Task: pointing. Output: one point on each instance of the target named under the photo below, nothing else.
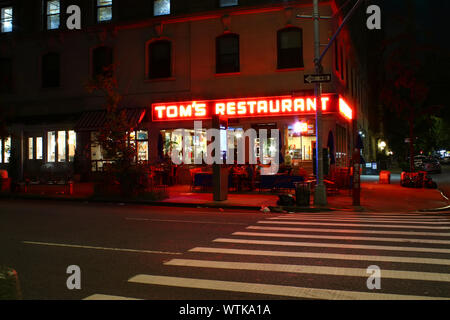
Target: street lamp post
(320, 196)
(320, 193)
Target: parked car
(431, 165)
(445, 160)
(419, 162)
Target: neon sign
(243, 107)
(345, 110)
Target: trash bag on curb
(286, 200)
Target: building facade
(244, 59)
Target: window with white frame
(52, 14)
(228, 3)
(104, 10)
(161, 7)
(6, 19)
(30, 148)
(39, 148)
(61, 146)
(5, 149)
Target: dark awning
(94, 120)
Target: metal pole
(320, 195)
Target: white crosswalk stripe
(417, 250)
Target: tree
(114, 138)
(405, 87)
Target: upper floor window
(102, 61)
(227, 54)
(104, 10)
(159, 59)
(5, 75)
(161, 7)
(6, 19)
(51, 70)
(228, 3)
(52, 14)
(290, 48)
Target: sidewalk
(375, 197)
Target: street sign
(317, 78)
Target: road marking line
(331, 245)
(447, 222)
(107, 297)
(307, 236)
(354, 225)
(98, 248)
(186, 221)
(314, 255)
(346, 216)
(305, 269)
(352, 231)
(269, 289)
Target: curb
(209, 205)
(443, 209)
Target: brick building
(169, 53)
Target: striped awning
(94, 120)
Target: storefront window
(30, 148)
(142, 145)
(301, 140)
(39, 148)
(61, 146)
(51, 146)
(96, 153)
(72, 144)
(139, 139)
(268, 148)
(7, 150)
(195, 144)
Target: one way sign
(316, 78)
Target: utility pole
(320, 193)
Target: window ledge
(159, 79)
(227, 74)
(290, 69)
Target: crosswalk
(316, 256)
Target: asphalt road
(443, 180)
(182, 254)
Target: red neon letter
(324, 103)
(299, 105)
(241, 108)
(185, 112)
(220, 109)
(252, 105)
(231, 108)
(262, 106)
(160, 110)
(310, 104)
(286, 105)
(200, 109)
(275, 109)
(172, 112)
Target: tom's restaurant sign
(248, 107)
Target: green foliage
(123, 170)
